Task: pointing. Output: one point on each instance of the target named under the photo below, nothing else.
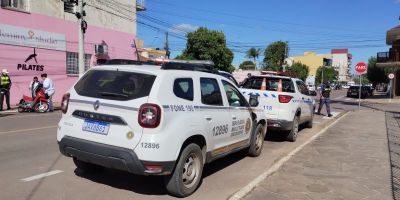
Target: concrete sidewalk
(349, 161)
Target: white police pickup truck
(148, 120)
(286, 102)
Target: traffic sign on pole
(391, 76)
(361, 68)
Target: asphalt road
(31, 166)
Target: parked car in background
(354, 91)
(311, 89)
(285, 100)
(229, 76)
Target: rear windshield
(114, 85)
(271, 84)
(354, 87)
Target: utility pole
(166, 47)
(81, 31)
(286, 56)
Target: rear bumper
(111, 157)
(279, 125)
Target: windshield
(115, 85)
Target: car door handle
(234, 118)
(208, 118)
(302, 98)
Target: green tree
(246, 65)
(253, 53)
(375, 74)
(364, 80)
(275, 55)
(204, 44)
(300, 70)
(330, 74)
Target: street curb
(278, 164)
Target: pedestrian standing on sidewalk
(33, 86)
(324, 98)
(49, 90)
(5, 86)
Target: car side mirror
(253, 101)
(312, 93)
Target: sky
(307, 25)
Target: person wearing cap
(49, 90)
(324, 98)
(5, 85)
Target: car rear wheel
(292, 136)
(257, 141)
(188, 172)
(41, 107)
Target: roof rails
(289, 74)
(123, 62)
(190, 65)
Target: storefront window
(72, 62)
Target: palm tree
(253, 53)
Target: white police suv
(148, 120)
(285, 100)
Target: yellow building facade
(312, 60)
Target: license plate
(96, 127)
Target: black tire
(292, 136)
(87, 167)
(257, 141)
(189, 166)
(309, 124)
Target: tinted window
(183, 88)
(235, 98)
(271, 84)
(210, 92)
(302, 87)
(114, 85)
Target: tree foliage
(300, 70)
(204, 44)
(253, 53)
(275, 55)
(330, 74)
(375, 74)
(246, 65)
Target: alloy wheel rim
(259, 140)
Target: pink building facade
(55, 43)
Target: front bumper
(279, 125)
(111, 157)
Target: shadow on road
(393, 134)
(152, 185)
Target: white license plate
(96, 126)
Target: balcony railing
(392, 56)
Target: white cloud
(182, 28)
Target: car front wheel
(292, 136)
(257, 141)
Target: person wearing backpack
(324, 98)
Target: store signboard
(21, 36)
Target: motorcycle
(37, 104)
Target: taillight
(149, 115)
(285, 98)
(64, 103)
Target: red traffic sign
(361, 68)
(391, 76)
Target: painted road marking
(28, 129)
(39, 176)
(316, 122)
(334, 115)
(275, 167)
(348, 99)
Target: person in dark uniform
(324, 98)
(5, 85)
